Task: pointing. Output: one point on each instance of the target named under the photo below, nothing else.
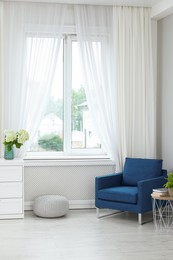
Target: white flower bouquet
(17, 139)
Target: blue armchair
(130, 190)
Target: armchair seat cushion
(125, 194)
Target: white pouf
(50, 206)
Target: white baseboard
(81, 204)
(73, 204)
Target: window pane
(83, 135)
(50, 133)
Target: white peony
(22, 136)
(10, 136)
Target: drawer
(11, 173)
(11, 190)
(11, 206)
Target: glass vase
(8, 155)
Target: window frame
(68, 151)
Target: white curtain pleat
(33, 34)
(135, 85)
(95, 35)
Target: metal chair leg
(140, 218)
(140, 222)
(97, 212)
(106, 215)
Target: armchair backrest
(138, 169)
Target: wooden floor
(81, 236)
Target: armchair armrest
(145, 188)
(164, 173)
(108, 181)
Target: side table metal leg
(154, 212)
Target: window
(82, 132)
(66, 127)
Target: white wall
(76, 182)
(165, 91)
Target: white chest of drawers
(11, 189)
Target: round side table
(162, 211)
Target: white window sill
(68, 161)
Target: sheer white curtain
(95, 35)
(135, 87)
(119, 72)
(1, 75)
(33, 34)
